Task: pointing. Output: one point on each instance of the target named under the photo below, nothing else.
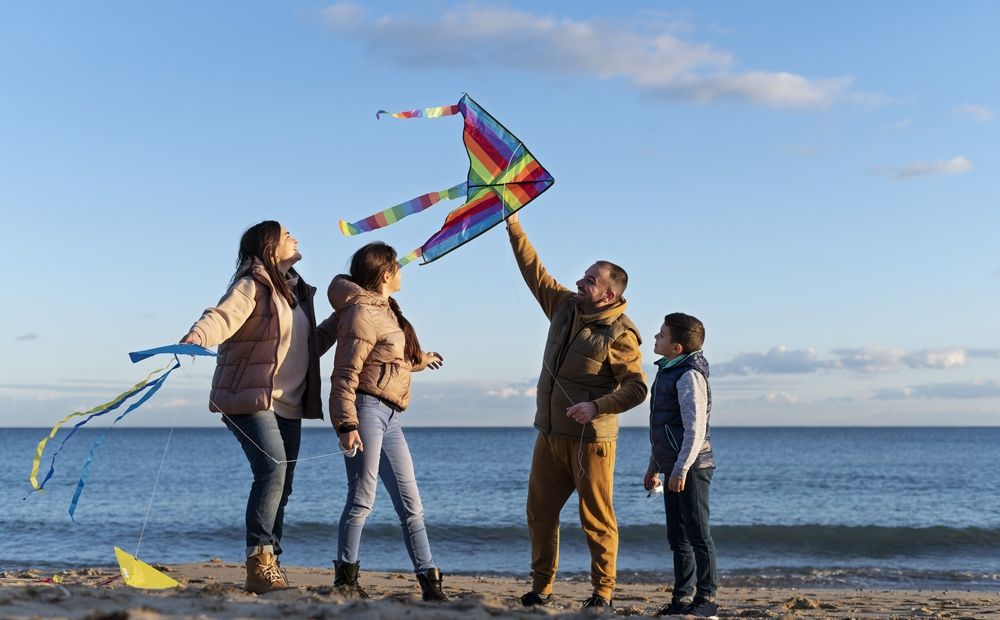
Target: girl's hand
(351, 439)
(192, 338)
(433, 360)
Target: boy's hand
(512, 218)
(651, 480)
(675, 484)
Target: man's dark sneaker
(674, 608)
(701, 608)
(596, 602)
(534, 599)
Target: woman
(376, 352)
(266, 380)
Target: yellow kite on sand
(138, 574)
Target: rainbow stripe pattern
(438, 112)
(394, 214)
(503, 177)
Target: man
(591, 371)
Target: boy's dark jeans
(690, 538)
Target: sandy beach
(214, 590)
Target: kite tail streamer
(398, 212)
(409, 258)
(437, 112)
(99, 410)
(154, 387)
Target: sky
(811, 180)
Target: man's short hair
(686, 331)
(617, 275)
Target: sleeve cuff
(346, 427)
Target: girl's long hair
(260, 241)
(368, 265)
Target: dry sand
(214, 590)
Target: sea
(809, 507)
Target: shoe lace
(271, 573)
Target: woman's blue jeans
(263, 435)
(385, 456)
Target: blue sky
(816, 184)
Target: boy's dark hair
(685, 330)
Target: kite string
(232, 424)
(156, 482)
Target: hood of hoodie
(604, 316)
(344, 293)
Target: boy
(680, 403)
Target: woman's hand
(433, 360)
(349, 440)
(192, 338)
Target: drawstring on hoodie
(580, 472)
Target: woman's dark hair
(260, 241)
(368, 265)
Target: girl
(376, 352)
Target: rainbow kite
(503, 177)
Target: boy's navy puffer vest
(666, 428)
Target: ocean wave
(812, 540)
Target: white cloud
(514, 390)
(783, 398)
(943, 359)
(779, 360)
(863, 360)
(955, 165)
(28, 337)
(653, 59)
(903, 124)
(869, 360)
(978, 113)
(877, 360)
(965, 390)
